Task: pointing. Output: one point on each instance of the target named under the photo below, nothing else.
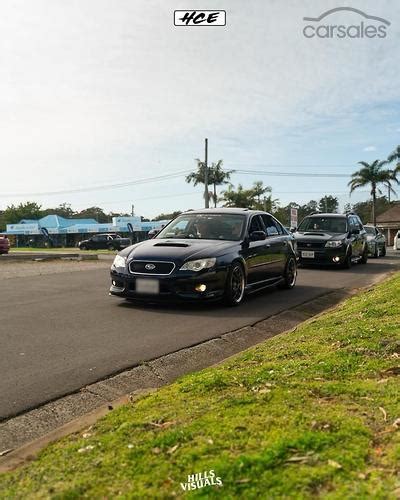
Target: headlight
(198, 265)
(118, 262)
(333, 244)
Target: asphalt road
(60, 332)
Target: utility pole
(206, 200)
(388, 193)
(133, 210)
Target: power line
(290, 174)
(102, 187)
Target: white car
(396, 245)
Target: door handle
(267, 245)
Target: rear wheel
(235, 285)
(383, 253)
(290, 274)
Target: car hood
(177, 249)
(319, 236)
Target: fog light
(200, 288)
(336, 259)
(114, 283)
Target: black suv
(336, 239)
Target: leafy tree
(168, 216)
(364, 208)
(29, 210)
(328, 204)
(241, 198)
(63, 210)
(96, 213)
(372, 174)
(216, 177)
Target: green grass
(63, 249)
(309, 414)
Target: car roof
(234, 210)
(328, 215)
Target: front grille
(310, 245)
(160, 267)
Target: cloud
(369, 148)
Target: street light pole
(206, 199)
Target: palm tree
(216, 176)
(394, 156)
(242, 198)
(372, 174)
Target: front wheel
(235, 285)
(290, 274)
(364, 257)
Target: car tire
(376, 251)
(364, 256)
(110, 247)
(83, 247)
(383, 252)
(347, 263)
(290, 274)
(235, 285)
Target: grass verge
(313, 413)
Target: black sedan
(207, 254)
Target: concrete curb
(47, 256)
(23, 436)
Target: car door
(276, 245)
(357, 237)
(95, 242)
(257, 252)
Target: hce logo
(199, 18)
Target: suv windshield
(370, 230)
(205, 227)
(328, 224)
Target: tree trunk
(374, 205)
(215, 195)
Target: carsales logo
(368, 26)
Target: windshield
(205, 226)
(370, 230)
(328, 224)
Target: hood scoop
(314, 234)
(172, 244)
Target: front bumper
(324, 256)
(172, 287)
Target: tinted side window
(256, 224)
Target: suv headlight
(333, 244)
(198, 265)
(119, 261)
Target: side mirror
(293, 229)
(355, 231)
(257, 236)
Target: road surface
(61, 331)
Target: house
(389, 222)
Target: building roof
(391, 215)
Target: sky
(95, 93)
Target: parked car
(4, 244)
(105, 241)
(396, 245)
(207, 254)
(376, 241)
(335, 239)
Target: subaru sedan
(207, 254)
